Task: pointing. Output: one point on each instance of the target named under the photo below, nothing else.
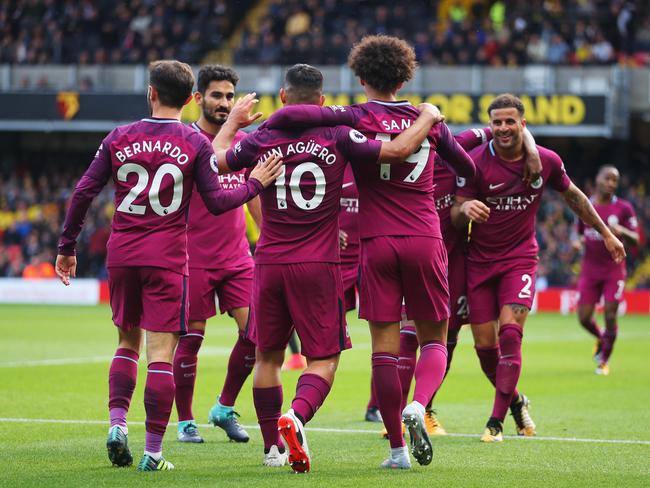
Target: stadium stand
(456, 32)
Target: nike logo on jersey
(345, 185)
(183, 365)
(494, 187)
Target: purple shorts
(594, 284)
(459, 311)
(151, 298)
(304, 296)
(491, 286)
(350, 279)
(232, 287)
(408, 268)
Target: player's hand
(343, 240)
(475, 210)
(615, 247)
(66, 267)
(532, 168)
(240, 115)
(268, 170)
(433, 110)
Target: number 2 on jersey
(419, 158)
(127, 205)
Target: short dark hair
(303, 83)
(606, 167)
(506, 100)
(383, 61)
(172, 80)
(215, 72)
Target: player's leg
(126, 305)
(612, 293)
(423, 267)
(296, 361)
(408, 351)
(590, 289)
(240, 366)
(314, 297)
(158, 398)
(267, 397)
(201, 307)
(165, 304)
(269, 331)
(380, 302)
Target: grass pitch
(593, 431)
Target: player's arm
(255, 209)
(628, 229)
(240, 116)
(471, 138)
(466, 210)
(405, 144)
(216, 199)
(580, 204)
(90, 184)
(533, 167)
(452, 152)
(303, 116)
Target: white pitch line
(343, 431)
(209, 351)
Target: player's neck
(162, 112)
(511, 154)
(373, 94)
(604, 198)
(207, 126)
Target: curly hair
(506, 100)
(215, 72)
(383, 61)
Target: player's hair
(506, 100)
(383, 62)
(303, 83)
(606, 167)
(173, 80)
(215, 72)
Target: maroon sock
(311, 392)
(121, 382)
(408, 350)
(158, 400)
(429, 370)
(268, 405)
(450, 352)
(372, 403)
(508, 369)
(593, 329)
(387, 387)
(240, 365)
(489, 359)
(185, 361)
(609, 337)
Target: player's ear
(198, 97)
(152, 93)
(362, 82)
(322, 100)
(399, 87)
(187, 100)
(283, 96)
(523, 122)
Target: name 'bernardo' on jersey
(167, 148)
(512, 202)
(302, 147)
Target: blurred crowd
(114, 32)
(32, 208)
(456, 32)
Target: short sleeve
(356, 147)
(558, 179)
(467, 187)
(206, 172)
(629, 220)
(244, 153)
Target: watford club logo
(67, 104)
